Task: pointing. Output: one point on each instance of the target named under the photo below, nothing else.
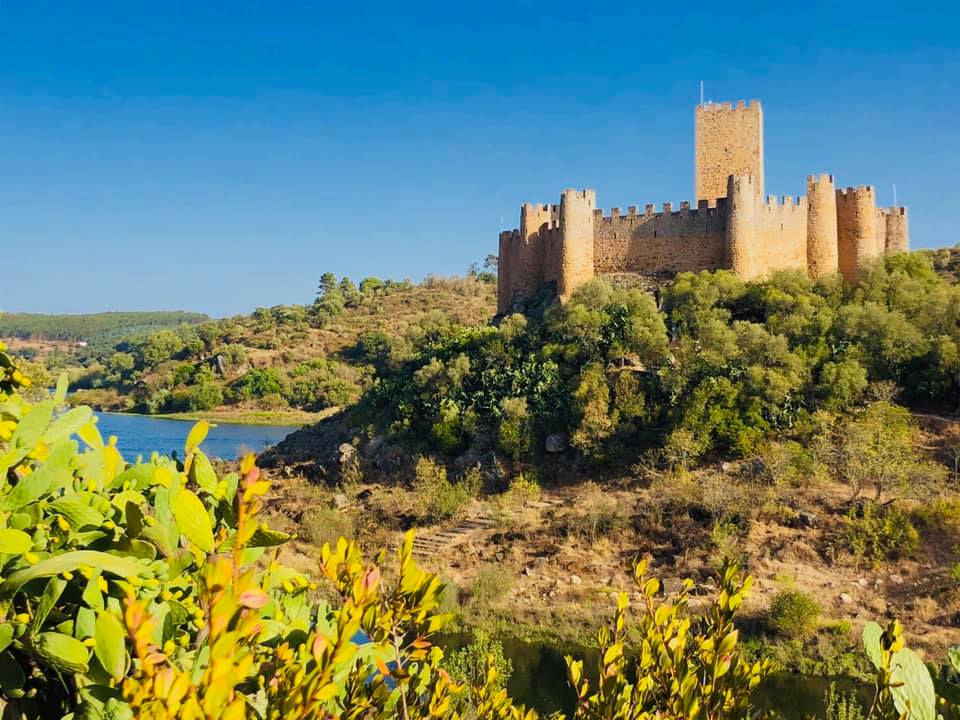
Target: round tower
(742, 201)
(821, 226)
(856, 230)
(576, 240)
(898, 234)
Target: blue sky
(218, 156)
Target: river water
(142, 434)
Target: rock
(896, 579)
(552, 593)
(862, 582)
(528, 571)
(340, 501)
(726, 467)
(575, 580)
(555, 444)
(845, 598)
(346, 451)
(808, 519)
(541, 561)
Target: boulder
(575, 580)
(555, 444)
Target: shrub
(203, 397)
(794, 614)
(469, 664)
(596, 514)
(259, 382)
(439, 498)
(326, 525)
(513, 433)
(877, 533)
(492, 583)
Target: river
(142, 434)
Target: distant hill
(92, 327)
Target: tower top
(728, 141)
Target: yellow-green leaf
(62, 651)
(197, 435)
(14, 542)
(109, 647)
(192, 519)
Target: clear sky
(218, 156)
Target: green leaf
(32, 425)
(52, 475)
(202, 473)
(912, 686)
(52, 593)
(193, 520)
(110, 648)
(86, 624)
(6, 636)
(70, 561)
(67, 424)
(14, 542)
(63, 383)
(134, 517)
(63, 652)
(953, 655)
(872, 633)
(91, 593)
(77, 512)
(11, 674)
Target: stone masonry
(733, 225)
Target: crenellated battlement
(752, 105)
(731, 223)
(786, 204)
(855, 193)
(704, 207)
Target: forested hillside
(285, 359)
(93, 327)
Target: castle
(732, 226)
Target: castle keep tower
(732, 225)
(728, 141)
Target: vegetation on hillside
(96, 329)
(717, 364)
(302, 357)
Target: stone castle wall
(857, 240)
(676, 240)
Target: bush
(469, 664)
(259, 382)
(325, 525)
(492, 583)
(794, 614)
(596, 514)
(204, 397)
(513, 433)
(877, 533)
(439, 498)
